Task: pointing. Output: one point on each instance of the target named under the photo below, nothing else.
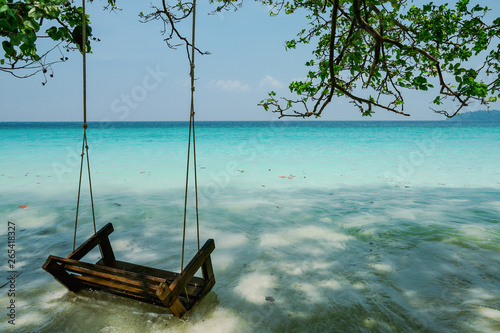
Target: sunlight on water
(361, 227)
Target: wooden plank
(150, 271)
(60, 274)
(175, 306)
(105, 283)
(208, 286)
(203, 292)
(177, 286)
(141, 298)
(109, 270)
(144, 285)
(106, 251)
(90, 243)
(125, 276)
(178, 309)
(207, 269)
(137, 295)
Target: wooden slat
(145, 299)
(106, 251)
(142, 298)
(60, 274)
(176, 306)
(116, 288)
(207, 287)
(207, 269)
(129, 276)
(136, 295)
(144, 284)
(147, 286)
(90, 243)
(109, 270)
(177, 286)
(150, 271)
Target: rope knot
(85, 125)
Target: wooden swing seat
(177, 292)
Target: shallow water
(319, 226)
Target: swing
(178, 292)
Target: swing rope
(85, 147)
(191, 134)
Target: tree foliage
(24, 23)
(369, 51)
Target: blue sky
(134, 76)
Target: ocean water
(319, 226)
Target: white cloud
(270, 82)
(303, 79)
(230, 85)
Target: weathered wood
(189, 271)
(106, 251)
(146, 286)
(150, 271)
(178, 292)
(138, 295)
(143, 270)
(109, 270)
(206, 288)
(92, 242)
(207, 269)
(131, 273)
(52, 267)
(176, 306)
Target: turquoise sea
(319, 226)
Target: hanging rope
(85, 147)
(191, 134)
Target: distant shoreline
(492, 115)
(473, 116)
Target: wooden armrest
(89, 244)
(178, 285)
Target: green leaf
(437, 100)
(15, 39)
(53, 11)
(9, 49)
(4, 9)
(5, 25)
(32, 24)
(51, 32)
(28, 49)
(36, 13)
